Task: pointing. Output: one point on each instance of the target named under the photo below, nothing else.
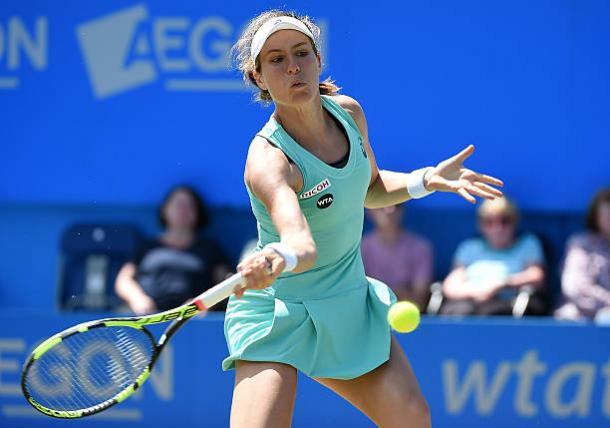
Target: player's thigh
(389, 395)
(263, 395)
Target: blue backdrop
(475, 374)
(112, 101)
(104, 104)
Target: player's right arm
(275, 182)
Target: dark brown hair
(201, 209)
(241, 51)
(600, 197)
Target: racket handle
(219, 292)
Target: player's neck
(306, 123)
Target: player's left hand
(451, 176)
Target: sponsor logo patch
(320, 187)
(325, 201)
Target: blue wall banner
(474, 373)
(113, 101)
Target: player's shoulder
(265, 161)
(263, 152)
(351, 105)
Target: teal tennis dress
(330, 321)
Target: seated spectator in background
(489, 270)
(585, 280)
(397, 257)
(179, 264)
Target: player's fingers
(481, 193)
(260, 275)
(489, 179)
(274, 263)
(246, 274)
(497, 193)
(463, 155)
(261, 263)
(261, 270)
(241, 288)
(464, 194)
(251, 273)
(257, 274)
(269, 266)
(247, 261)
(277, 266)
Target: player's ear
(319, 58)
(258, 78)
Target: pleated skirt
(340, 336)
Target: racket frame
(178, 317)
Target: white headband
(273, 25)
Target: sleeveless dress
(330, 321)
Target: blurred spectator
(179, 264)
(585, 281)
(489, 270)
(397, 257)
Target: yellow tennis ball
(403, 317)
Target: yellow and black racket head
(88, 368)
(93, 366)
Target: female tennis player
(308, 305)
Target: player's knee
(408, 410)
(418, 410)
(415, 411)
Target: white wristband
(289, 255)
(415, 183)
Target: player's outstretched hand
(451, 176)
(260, 270)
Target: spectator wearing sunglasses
(489, 270)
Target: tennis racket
(92, 366)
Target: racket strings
(89, 368)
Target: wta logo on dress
(325, 201)
(129, 49)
